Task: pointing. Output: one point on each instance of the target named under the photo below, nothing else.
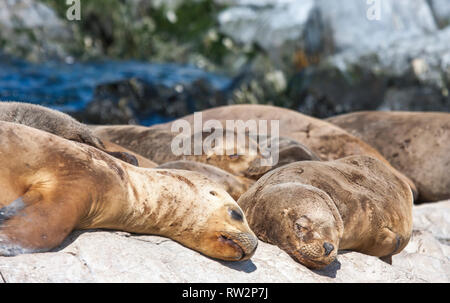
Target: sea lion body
(326, 140)
(50, 186)
(235, 186)
(57, 123)
(313, 209)
(415, 143)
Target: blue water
(70, 87)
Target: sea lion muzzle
(245, 242)
(328, 248)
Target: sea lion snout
(328, 248)
(244, 243)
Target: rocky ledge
(103, 256)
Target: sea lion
(235, 186)
(313, 209)
(326, 140)
(50, 186)
(415, 143)
(56, 123)
(156, 145)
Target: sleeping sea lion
(56, 123)
(50, 186)
(156, 145)
(415, 143)
(326, 140)
(313, 209)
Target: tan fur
(326, 140)
(235, 186)
(415, 143)
(355, 203)
(56, 123)
(50, 186)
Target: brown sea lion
(415, 143)
(56, 123)
(313, 209)
(156, 145)
(50, 186)
(326, 140)
(235, 186)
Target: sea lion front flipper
(387, 259)
(35, 223)
(391, 244)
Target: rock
(337, 59)
(323, 26)
(407, 74)
(435, 219)
(425, 59)
(113, 256)
(100, 256)
(424, 257)
(397, 19)
(32, 30)
(414, 99)
(268, 24)
(133, 101)
(441, 11)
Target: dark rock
(415, 99)
(323, 92)
(134, 101)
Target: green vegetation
(124, 29)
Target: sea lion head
(235, 152)
(299, 219)
(315, 237)
(214, 224)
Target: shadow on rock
(71, 238)
(331, 270)
(246, 266)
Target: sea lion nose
(328, 248)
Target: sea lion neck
(155, 202)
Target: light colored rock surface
(104, 256)
(23, 22)
(426, 57)
(425, 257)
(101, 256)
(441, 10)
(435, 219)
(272, 24)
